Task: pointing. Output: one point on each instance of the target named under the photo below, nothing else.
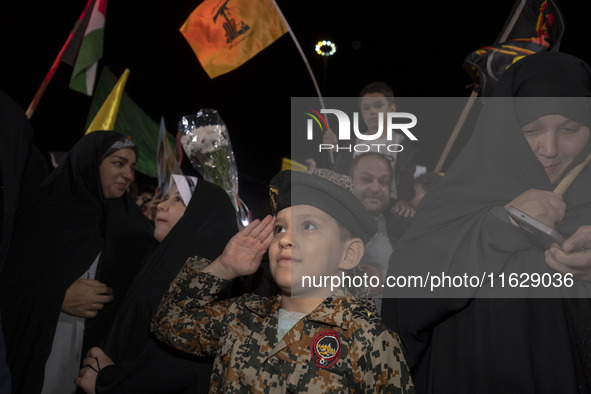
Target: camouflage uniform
(339, 347)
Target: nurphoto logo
(392, 122)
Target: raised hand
(329, 137)
(243, 254)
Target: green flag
(131, 121)
(91, 49)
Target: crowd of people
(106, 286)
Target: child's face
(169, 212)
(306, 241)
(371, 105)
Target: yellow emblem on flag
(224, 34)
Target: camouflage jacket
(339, 347)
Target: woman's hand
(243, 254)
(545, 206)
(95, 360)
(86, 297)
(575, 255)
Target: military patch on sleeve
(326, 348)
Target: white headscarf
(186, 186)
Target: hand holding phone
(542, 235)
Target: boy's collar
(263, 306)
(337, 310)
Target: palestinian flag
(91, 50)
(70, 50)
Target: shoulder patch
(326, 348)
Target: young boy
(307, 339)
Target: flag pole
(571, 175)
(49, 76)
(297, 44)
(456, 130)
(54, 67)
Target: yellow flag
(106, 116)
(288, 164)
(224, 34)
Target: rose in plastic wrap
(206, 141)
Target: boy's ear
(353, 252)
(393, 107)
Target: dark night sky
(416, 46)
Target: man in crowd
(372, 176)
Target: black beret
(327, 191)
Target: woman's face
(169, 211)
(556, 141)
(117, 172)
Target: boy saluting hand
(306, 339)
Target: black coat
(53, 244)
(22, 169)
(143, 364)
(498, 341)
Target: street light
(326, 48)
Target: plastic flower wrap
(206, 142)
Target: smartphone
(541, 234)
